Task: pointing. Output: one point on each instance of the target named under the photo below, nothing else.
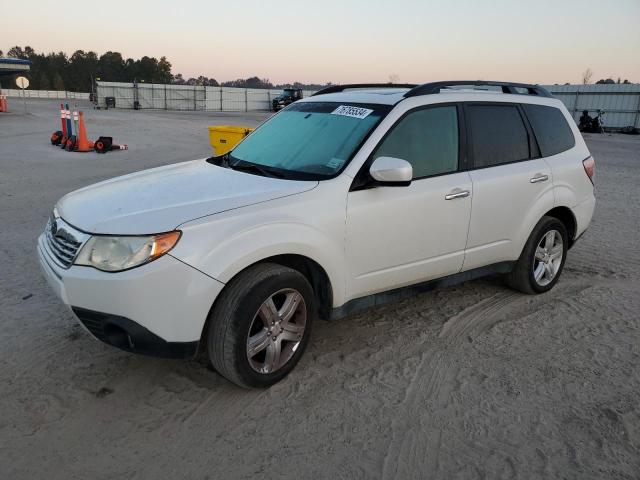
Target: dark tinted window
(426, 138)
(550, 128)
(498, 134)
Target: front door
(397, 236)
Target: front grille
(63, 243)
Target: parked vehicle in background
(350, 198)
(287, 97)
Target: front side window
(550, 128)
(498, 135)
(427, 139)
(309, 139)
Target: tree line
(57, 71)
(588, 73)
(75, 73)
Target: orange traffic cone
(83, 144)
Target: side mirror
(391, 172)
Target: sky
(343, 41)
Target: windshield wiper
(221, 161)
(252, 167)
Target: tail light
(589, 165)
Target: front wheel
(260, 325)
(542, 259)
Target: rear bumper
(162, 306)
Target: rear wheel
(260, 325)
(542, 259)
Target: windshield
(310, 140)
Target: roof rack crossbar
(340, 88)
(507, 87)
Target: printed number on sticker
(350, 111)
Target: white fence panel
(188, 97)
(180, 98)
(213, 98)
(233, 100)
(59, 94)
(145, 96)
(158, 96)
(619, 102)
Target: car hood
(160, 199)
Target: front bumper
(157, 309)
(128, 335)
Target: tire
(239, 314)
(56, 138)
(71, 144)
(537, 271)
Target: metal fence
(187, 97)
(59, 94)
(620, 102)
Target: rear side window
(498, 135)
(427, 139)
(550, 128)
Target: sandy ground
(473, 381)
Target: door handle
(539, 178)
(453, 196)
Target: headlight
(113, 253)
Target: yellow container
(224, 137)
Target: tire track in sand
(414, 447)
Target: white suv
(353, 197)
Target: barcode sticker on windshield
(350, 111)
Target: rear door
(512, 185)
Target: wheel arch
(314, 273)
(568, 219)
(312, 270)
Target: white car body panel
(572, 188)
(399, 236)
(505, 208)
(159, 199)
(310, 224)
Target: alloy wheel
(548, 258)
(276, 331)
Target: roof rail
(340, 88)
(507, 87)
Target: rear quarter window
(550, 128)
